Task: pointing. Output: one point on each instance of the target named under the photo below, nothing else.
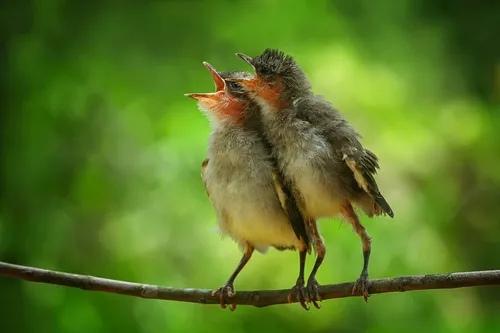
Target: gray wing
(289, 205)
(344, 138)
(364, 164)
(203, 167)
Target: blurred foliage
(102, 153)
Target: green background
(102, 155)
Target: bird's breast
(247, 206)
(319, 198)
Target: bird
(252, 203)
(317, 150)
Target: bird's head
(228, 102)
(278, 79)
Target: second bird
(317, 150)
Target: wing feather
(364, 164)
(203, 168)
(289, 205)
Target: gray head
(278, 78)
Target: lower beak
(201, 97)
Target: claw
(313, 293)
(225, 291)
(300, 293)
(361, 284)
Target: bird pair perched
(279, 158)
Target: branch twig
(255, 298)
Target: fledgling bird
(317, 150)
(252, 204)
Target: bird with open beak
(316, 149)
(252, 204)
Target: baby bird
(316, 149)
(252, 204)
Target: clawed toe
(361, 284)
(298, 293)
(226, 290)
(313, 293)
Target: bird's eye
(234, 86)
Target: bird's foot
(313, 292)
(298, 293)
(227, 290)
(362, 285)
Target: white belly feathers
(248, 208)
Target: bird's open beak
(219, 86)
(218, 80)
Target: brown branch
(255, 298)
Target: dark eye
(233, 86)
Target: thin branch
(255, 298)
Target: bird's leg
(362, 283)
(227, 289)
(299, 290)
(312, 284)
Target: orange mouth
(210, 99)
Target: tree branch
(255, 298)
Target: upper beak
(200, 96)
(218, 80)
(248, 84)
(246, 58)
